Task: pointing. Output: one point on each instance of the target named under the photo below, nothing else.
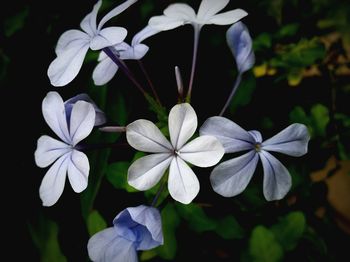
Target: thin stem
(109, 52)
(150, 83)
(234, 89)
(113, 129)
(197, 29)
(160, 190)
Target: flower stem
(234, 89)
(197, 29)
(159, 192)
(150, 83)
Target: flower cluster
(140, 228)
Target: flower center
(257, 147)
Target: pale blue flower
(135, 228)
(231, 177)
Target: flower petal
(67, 65)
(183, 184)
(52, 186)
(108, 37)
(231, 177)
(104, 71)
(146, 172)
(100, 118)
(106, 246)
(88, 24)
(256, 135)
(277, 180)
(241, 45)
(208, 8)
(116, 11)
(204, 151)
(182, 124)
(48, 150)
(144, 223)
(55, 115)
(228, 18)
(232, 136)
(82, 121)
(145, 136)
(78, 171)
(70, 39)
(180, 11)
(292, 141)
(164, 23)
(134, 53)
(143, 34)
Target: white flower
(73, 45)
(106, 69)
(72, 122)
(203, 151)
(180, 14)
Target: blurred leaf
(228, 228)
(158, 109)
(117, 173)
(45, 238)
(320, 119)
(290, 229)
(148, 255)
(197, 219)
(121, 113)
(95, 222)
(146, 8)
(151, 193)
(170, 221)
(262, 42)
(294, 77)
(263, 246)
(15, 23)
(287, 30)
(244, 92)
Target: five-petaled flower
(106, 68)
(72, 122)
(73, 45)
(231, 177)
(203, 151)
(135, 228)
(180, 14)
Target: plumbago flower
(73, 45)
(135, 228)
(106, 69)
(71, 121)
(231, 177)
(204, 151)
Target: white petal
(116, 11)
(67, 65)
(104, 71)
(48, 150)
(180, 11)
(134, 53)
(231, 177)
(82, 121)
(232, 136)
(106, 246)
(204, 151)
(143, 34)
(183, 184)
(164, 23)
(145, 136)
(182, 124)
(52, 186)
(208, 8)
(277, 180)
(70, 39)
(228, 18)
(146, 172)
(108, 37)
(89, 22)
(256, 135)
(292, 141)
(78, 171)
(55, 115)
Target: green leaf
(244, 92)
(45, 238)
(158, 109)
(289, 230)
(287, 30)
(320, 119)
(197, 219)
(170, 221)
(16, 22)
(117, 173)
(148, 255)
(262, 42)
(151, 193)
(228, 228)
(263, 246)
(95, 222)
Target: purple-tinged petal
(104, 71)
(78, 171)
(70, 39)
(256, 135)
(209, 8)
(88, 24)
(143, 34)
(109, 36)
